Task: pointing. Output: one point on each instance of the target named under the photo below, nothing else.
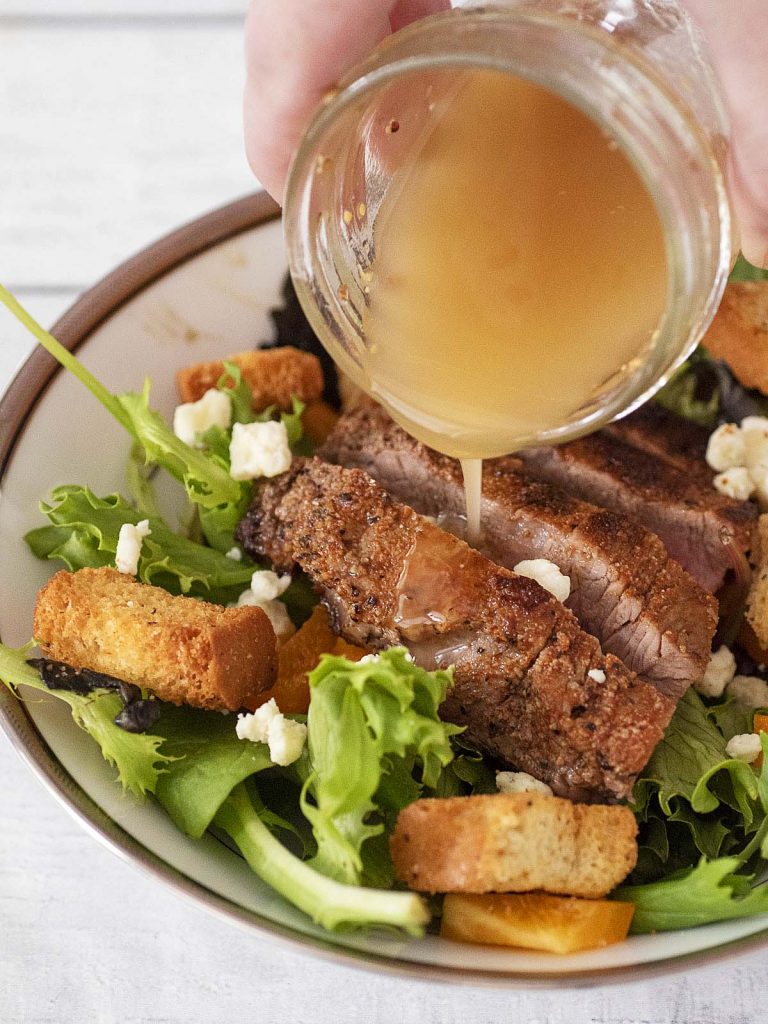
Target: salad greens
(197, 768)
(703, 816)
(380, 716)
(136, 756)
(84, 530)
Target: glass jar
(637, 68)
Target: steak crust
(625, 589)
(533, 689)
(705, 531)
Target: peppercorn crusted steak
(625, 589)
(534, 690)
(705, 531)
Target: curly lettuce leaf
(689, 759)
(374, 740)
(712, 891)
(206, 479)
(136, 756)
(84, 532)
(232, 384)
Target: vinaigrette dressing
(519, 264)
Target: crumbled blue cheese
(719, 673)
(255, 727)
(547, 575)
(749, 691)
(259, 449)
(726, 447)
(128, 548)
(520, 782)
(192, 419)
(286, 740)
(235, 554)
(284, 737)
(740, 454)
(736, 483)
(597, 674)
(745, 747)
(265, 589)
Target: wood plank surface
(111, 137)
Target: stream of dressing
(519, 270)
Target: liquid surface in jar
(519, 266)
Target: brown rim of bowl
(16, 408)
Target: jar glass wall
(634, 68)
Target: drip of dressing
(472, 471)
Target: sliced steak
(706, 532)
(534, 690)
(671, 438)
(625, 589)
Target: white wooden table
(119, 119)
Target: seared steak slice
(706, 532)
(533, 689)
(675, 440)
(625, 589)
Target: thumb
(295, 50)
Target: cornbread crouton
(739, 332)
(274, 375)
(757, 598)
(318, 420)
(513, 842)
(183, 650)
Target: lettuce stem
(67, 360)
(330, 904)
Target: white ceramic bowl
(201, 293)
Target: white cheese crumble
(128, 548)
(235, 554)
(547, 575)
(740, 454)
(754, 430)
(259, 449)
(255, 727)
(719, 673)
(192, 419)
(286, 740)
(597, 674)
(284, 737)
(265, 589)
(520, 782)
(726, 447)
(749, 691)
(745, 747)
(735, 483)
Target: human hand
(738, 40)
(296, 49)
